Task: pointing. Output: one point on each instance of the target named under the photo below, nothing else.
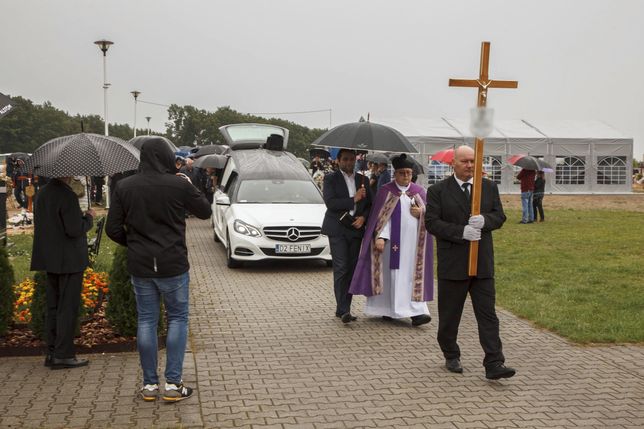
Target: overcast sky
(573, 59)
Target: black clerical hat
(401, 161)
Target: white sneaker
(149, 392)
(176, 392)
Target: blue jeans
(148, 293)
(526, 206)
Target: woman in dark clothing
(537, 199)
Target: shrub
(6, 291)
(39, 305)
(121, 305)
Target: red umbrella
(445, 156)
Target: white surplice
(396, 302)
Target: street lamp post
(136, 96)
(104, 45)
(148, 119)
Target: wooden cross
(482, 83)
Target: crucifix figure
(482, 83)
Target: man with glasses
(395, 269)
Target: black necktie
(466, 189)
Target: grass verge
(579, 274)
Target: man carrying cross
(448, 218)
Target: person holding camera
(348, 200)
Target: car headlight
(242, 227)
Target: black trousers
(345, 252)
(63, 301)
(537, 204)
(451, 299)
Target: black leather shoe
(454, 365)
(500, 371)
(421, 319)
(68, 363)
(387, 318)
(48, 360)
(347, 317)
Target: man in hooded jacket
(147, 215)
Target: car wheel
(230, 262)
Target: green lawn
(579, 274)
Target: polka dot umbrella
(83, 155)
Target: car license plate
(292, 248)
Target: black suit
(447, 213)
(344, 241)
(60, 249)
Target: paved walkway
(266, 351)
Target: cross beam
(483, 83)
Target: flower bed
(96, 333)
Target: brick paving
(266, 351)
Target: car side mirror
(222, 200)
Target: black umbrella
(318, 151)
(138, 141)
(211, 161)
(366, 136)
(218, 149)
(83, 155)
(6, 105)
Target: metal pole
(136, 96)
(105, 86)
(148, 119)
(104, 45)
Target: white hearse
(267, 206)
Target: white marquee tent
(588, 156)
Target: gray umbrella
(378, 158)
(218, 149)
(211, 161)
(137, 142)
(366, 136)
(305, 162)
(83, 155)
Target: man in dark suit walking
(348, 201)
(448, 218)
(60, 249)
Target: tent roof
(523, 129)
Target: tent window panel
(493, 166)
(571, 170)
(611, 170)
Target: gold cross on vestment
(482, 83)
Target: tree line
(30, 125)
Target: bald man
(448, 218)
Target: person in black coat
(448, 218)
(539, 191)
(147, 215)
(348, 200)
(60, 249)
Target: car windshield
(278, 191)
(252, 132)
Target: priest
(395, 266)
